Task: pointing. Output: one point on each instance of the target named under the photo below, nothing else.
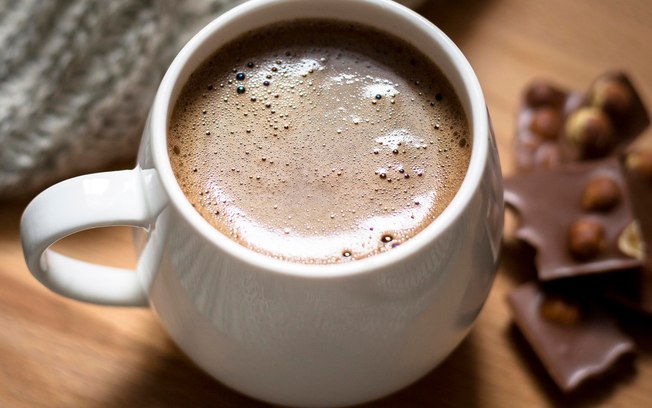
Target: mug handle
(94, 200)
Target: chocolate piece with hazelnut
(556, 126)
(573, 216)
(573, 343)
(614, 94)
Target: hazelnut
(639, 164)
(586, 239)
(612, 96)
(542, 94)
(559, 310)
(546, 123)
(589, 131)
(602, 194)
(630, 241)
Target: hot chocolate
(318, 141)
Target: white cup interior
(385, 15)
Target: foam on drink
(318, 141)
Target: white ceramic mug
(289, 333)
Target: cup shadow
(517, 262)
(451, 384)
(169, 379)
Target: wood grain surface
(56, 352)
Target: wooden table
(56, 352)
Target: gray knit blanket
(77, 79)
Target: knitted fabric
(77, 79)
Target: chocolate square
(574, 341)
(549, 202)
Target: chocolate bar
(585, 207)
(557, 126)
(575, 340)
(637, 293)
(573, 216)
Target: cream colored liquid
(355, 144)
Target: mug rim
(477, 117)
